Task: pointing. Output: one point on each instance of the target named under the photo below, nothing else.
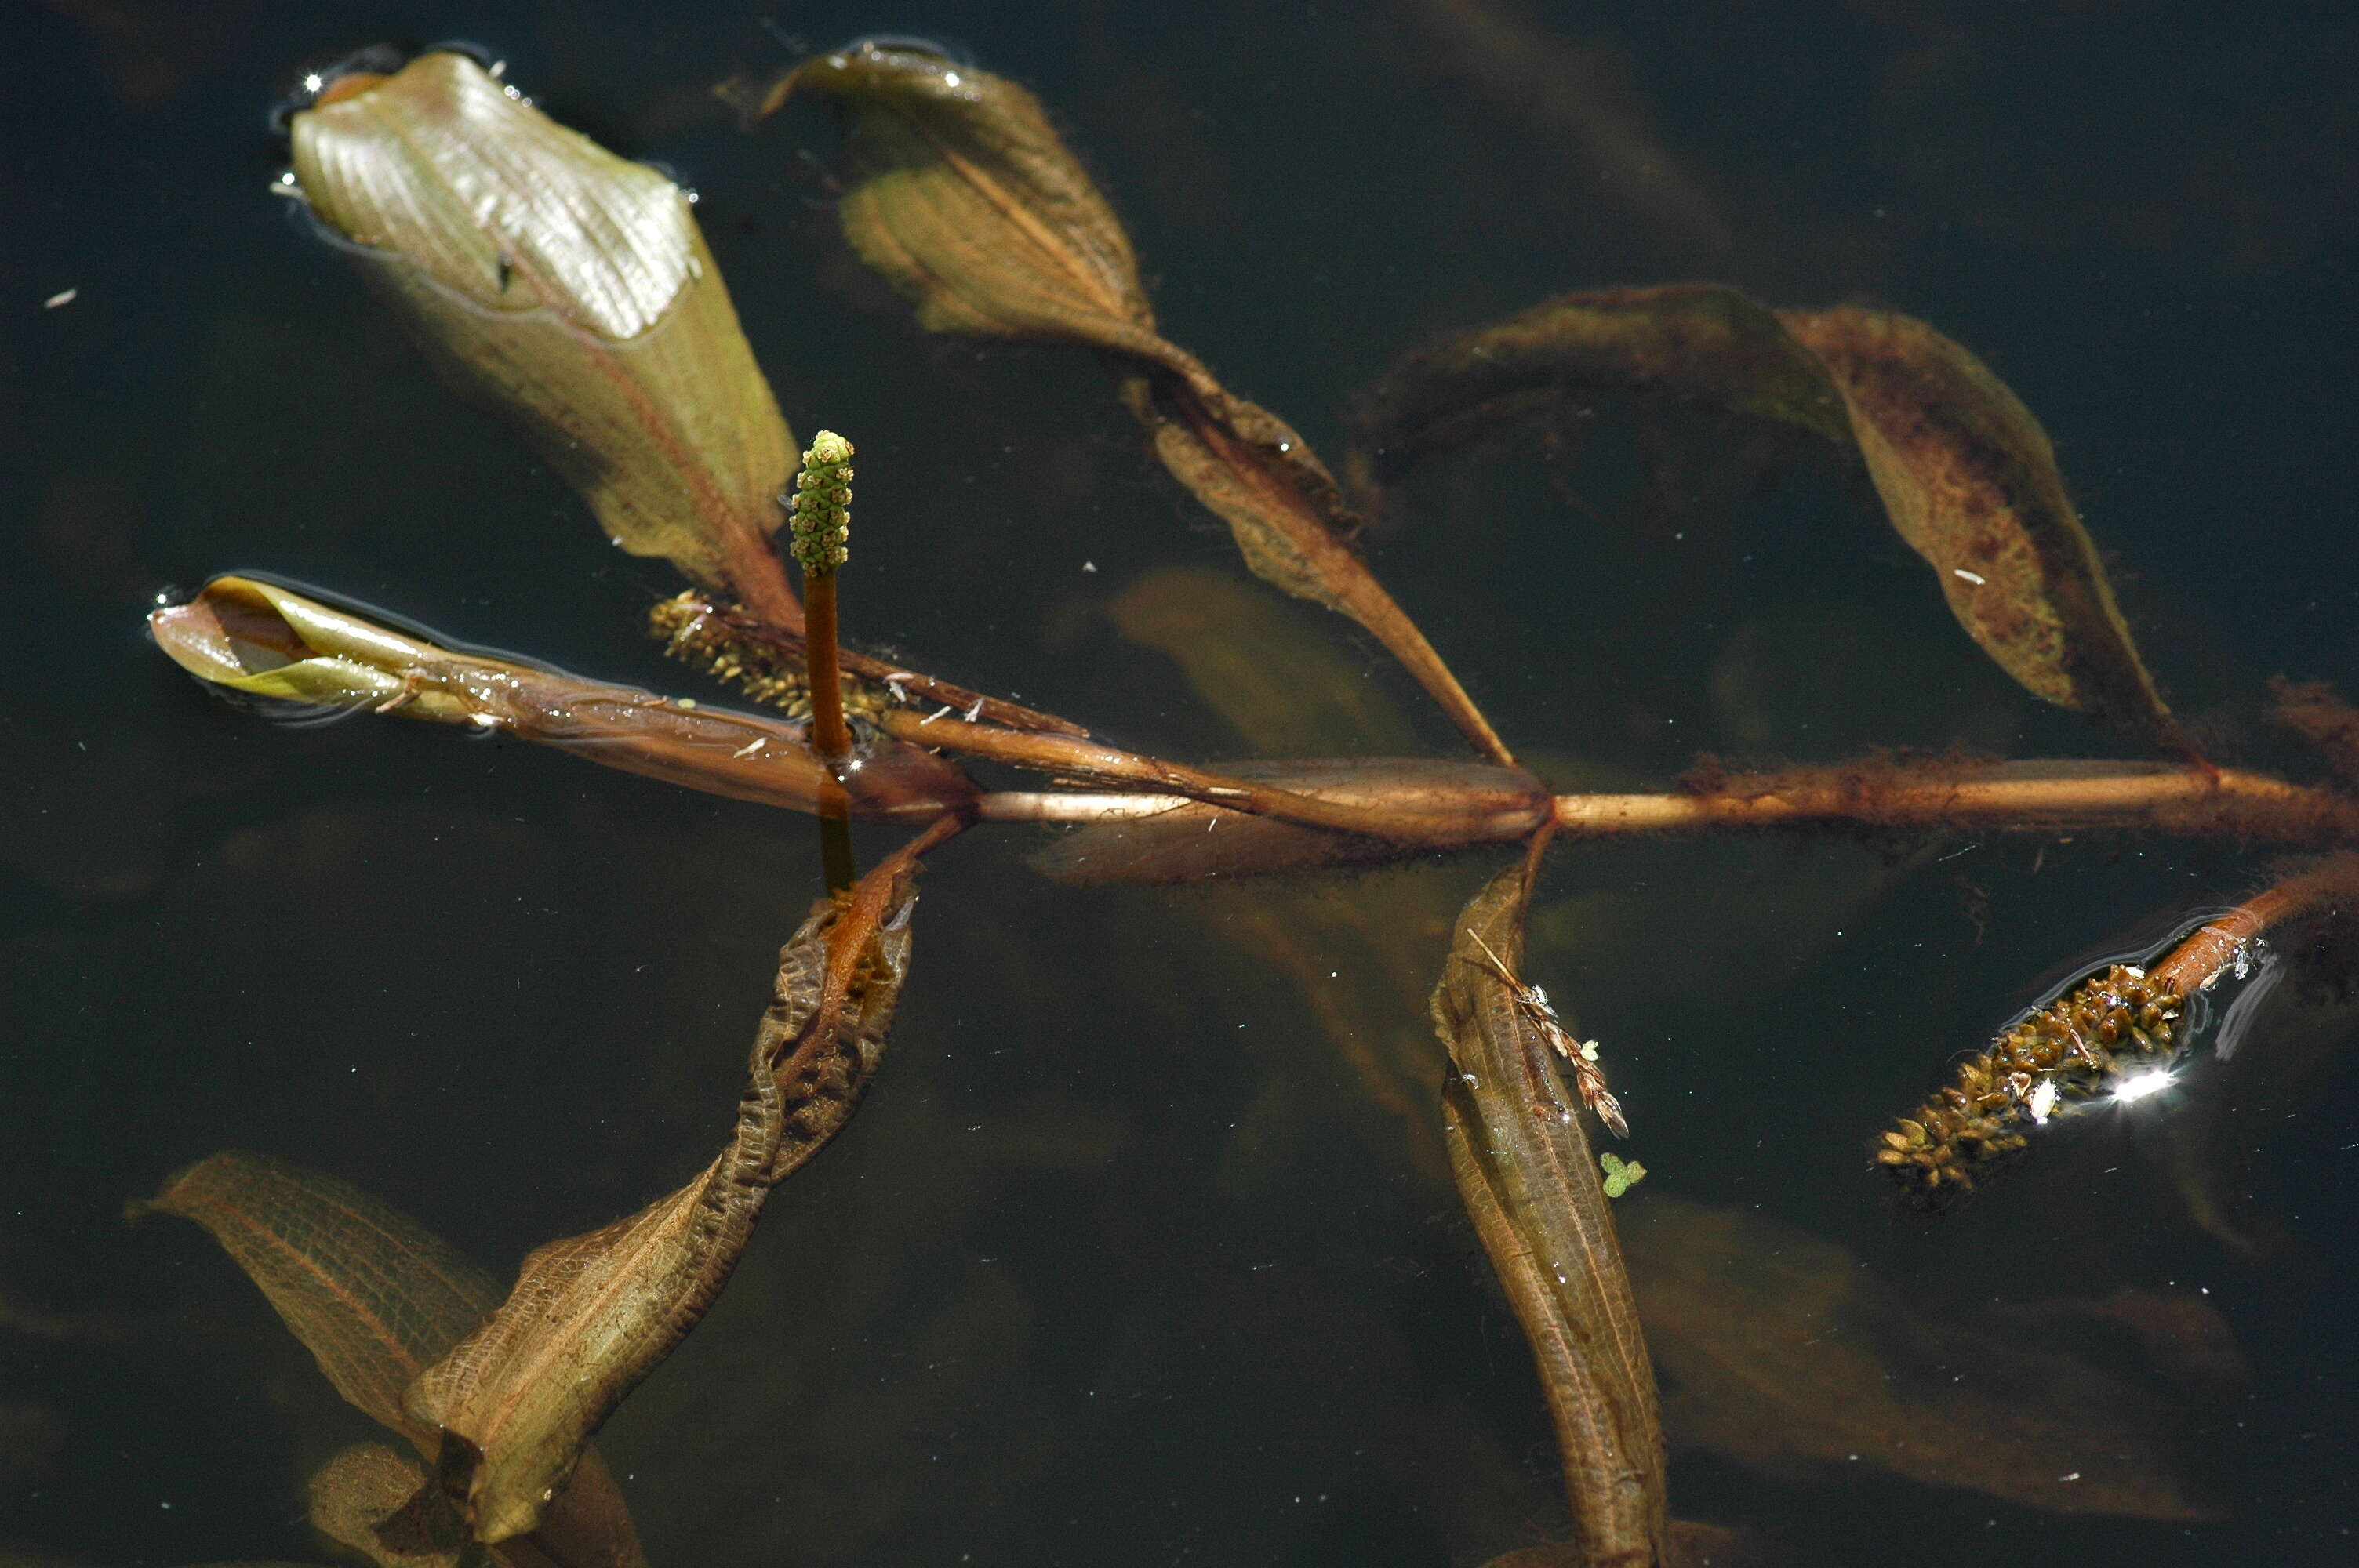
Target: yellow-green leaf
(1969, 480)
(1532, 1187)
(570, 289)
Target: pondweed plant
(571, 289)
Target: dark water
(1116, 1265)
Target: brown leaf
(1969, 481)
(1792, 1360)
(959, 193)
(1697, 341)
(376, 1298)
(1531, 1185)
(591, 1315)
(571, 289)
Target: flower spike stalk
(820, 521)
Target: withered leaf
(376, 1298)
(571, 289)
(1530, 1184)
(1969, 480)
(962, 196)
(1966, 475)
(591, 1315)
(1788, 1359)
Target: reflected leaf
(376, 1298)
(962, 196)
(1965, 473)
(260, 640)
(1788, 1358)
(1530, 1184)
(1969, 481)
(570, 289)
(591, 1315)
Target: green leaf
(570, 289)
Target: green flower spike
(822, 515)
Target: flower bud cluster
(820, 515)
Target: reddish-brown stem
(1095, 762)
(2192, 964)
(829, 737)
(2225, 803)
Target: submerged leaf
(376, 1298)
(591, 1315)
(373, 1295)
(1532, 1187)
(1789, 1360)
(1698, 341)
(382, 1504)
(1969, 481)
(568, 288)
(1965, 473)
(257, 639)
(961, 193)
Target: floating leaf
(1969, 481)
(260, 640)
(962, 196)
(1965, 473)
(591, 1315)
(1532, 1187)
(570, 289)
(376, 1298)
